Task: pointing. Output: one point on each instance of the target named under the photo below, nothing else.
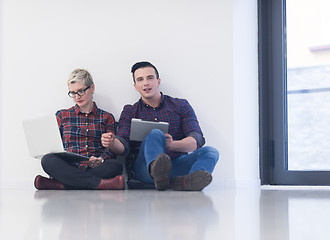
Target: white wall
(206, 51)
(245, 74)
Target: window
(294, 91)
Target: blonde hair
(80, 75)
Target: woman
(81, 128)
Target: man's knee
(156, 135)
(156, 132)
(211, 153)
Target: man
(175, 160)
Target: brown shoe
(195, 181)
(160, 170)
(116, 183)
(43, 183)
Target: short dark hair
(138, 65)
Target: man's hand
(169, 141)
(186, 145)
(107, 139)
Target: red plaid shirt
(81, 133)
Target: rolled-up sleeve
(124, 127)
(190, 123)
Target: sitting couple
(176, 160)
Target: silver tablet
(140, 128)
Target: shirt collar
(77, 109)
(159, 106)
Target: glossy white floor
(265, 213)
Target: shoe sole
(160, 171)
(195, 181)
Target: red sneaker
(116, 183)
(43, 183)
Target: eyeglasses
(81, 92)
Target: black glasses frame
(81, 92)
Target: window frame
(273, 126)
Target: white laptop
(43, 137)
(140, 128)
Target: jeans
(204, 158)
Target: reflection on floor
(227, 214)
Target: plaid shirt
(81, 133)
(177, 112)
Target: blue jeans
(204, 158)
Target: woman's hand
(94, 162)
